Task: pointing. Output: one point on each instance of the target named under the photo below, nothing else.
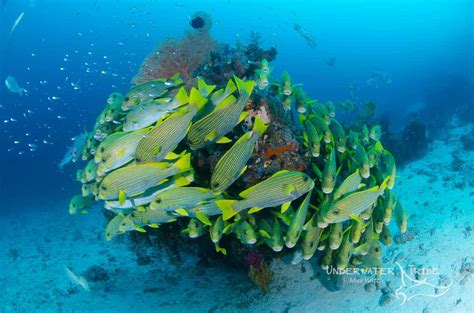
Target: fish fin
(244, 85)
(211, 136)
(383, 185)
(216, 95)
(140, 229)
(182, 97)
(202, 217)
(176, 79)
(289, 189)
(84, 211)
(122, 197)
(259, 126)
(163, 181)
(204, 88)
(184, 163)
(154, 225)
(196, 99)
(121, 152)
(171, 156)
(227, 209)
(220, 250)
(156, 150)
(224, 140)
(243, 170)
(181, 181)
(230, 87)
(182, 212)
(242, 116)
(226, 102)
(285, 206)
(254, 210)
(263, 233)
(316, 171)
(141, 208)
(356, 218)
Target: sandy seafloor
(437, 192)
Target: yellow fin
(140, 229)
(202, 217)
(141, 209)
(182, 181)
(226, 207)
(211, 136)
(182, 212)
(242, 116)
(243, 170)
(163, 181)
(285, 206)
(196, 99)
(122, 197)
(254, 210)
(263, 233)
(224, 140)
(221, 250)
(289, 189)
(184, 163)
(171, 156)
(154, 225)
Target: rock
(370, 287)
(386, 299)
(96, 273)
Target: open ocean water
(404, 66)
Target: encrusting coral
(289, 178)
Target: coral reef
(184, 55)
(257, 168)
(408, 144)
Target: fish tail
(259, 126)
(196, 99)
(230, 87)
(182, 97)
(184, 163)
(227, 208)
(383, 185)
(242, 85)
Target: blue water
(97, 46)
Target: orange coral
(280, 150)
(183, 55)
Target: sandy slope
(36, 247)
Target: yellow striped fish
(118, 151)
(165, 136)
(352, 205)
(135, 179)
(233, 163)
(280, 189)
(214, 126)
(180, 198)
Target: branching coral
(185, 55)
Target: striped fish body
(231, 164)
(353, 204)
(350, 184)
(311, 238)
(339, 135)
(165, 136)
(180, 198)
(144, 93)
(209, 208)
(146, 114)
(144, 218)
(218, 123)
(134, 179)
(90, 171)
(282, 187)
(118, 151)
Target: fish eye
(215, 185)
(376, 249)
(335, 212)
(103, 159)
(158, 200)
(305, 178)
(102, 149)
(127, 98)
(103, 188)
